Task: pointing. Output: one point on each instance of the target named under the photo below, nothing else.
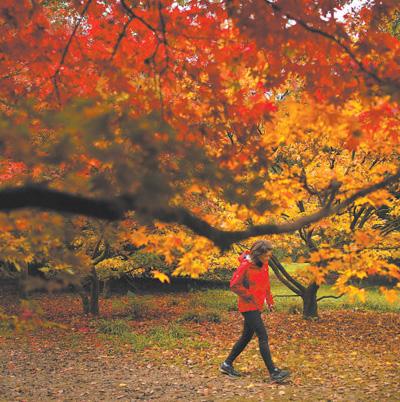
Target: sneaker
(229, 370)
(279, 375)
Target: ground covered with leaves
(169, 346)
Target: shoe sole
(281, 380)
(228, 374)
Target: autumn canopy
(198, 124)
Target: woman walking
(251, 283)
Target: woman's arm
(237, 284)
(268, 297)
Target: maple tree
(177, 111)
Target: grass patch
(141, 307)
(375, 301)
(118, 331)
(112, 327)
(6, 329)
(214, 299)
(201, 316)
(196, 343)
(137, 342)
(174, 335)
(168, 337)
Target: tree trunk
(85, 303)
(23, 278)
(106, 289)
(85, 299)
(310, 304)
(94, 293)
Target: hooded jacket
(251, 284)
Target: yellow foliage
(160, 276)
(391, 295)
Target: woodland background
(146, 144)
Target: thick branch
(330, 297)
(288, 277)
(356, 217)
(115, 209)
(368, 213)
(284, 280)
(103, 255)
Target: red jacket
(252, 285)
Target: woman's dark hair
(260, 247)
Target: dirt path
(346, 356)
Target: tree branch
(288, 277)
(121, 36)
(133, 15)
(330, 297)
(368, 213)
(115, 208)
(326, 35)
(284, 280)
(56, 75)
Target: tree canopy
(224, 118)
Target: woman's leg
(254, 321)
(242, 342)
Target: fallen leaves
(334, 358)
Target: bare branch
(356, 217)
(330, 297)
(121, 36)
(133, 15)
(368, 213)
(56, 75)
(326, 35)
(284, 280)
(288, 277)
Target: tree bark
(85, 303)
(106, 289)
(84, 298)
(22, 280)
(94, 293)
(310, 303)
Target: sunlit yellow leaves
(161, 276)
(363, 238)
(140, 237)
(195, 188)
(318, 274)
(354, 292)
(391, 295)
(377, 199)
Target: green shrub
(218, 274)
(144, 263)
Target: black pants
(253, 324)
